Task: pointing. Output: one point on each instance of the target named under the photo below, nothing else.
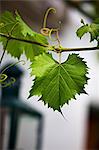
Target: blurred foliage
(91, 13)
(93, 7)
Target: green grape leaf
(24, 28)
(15, 26)
(92, 28)
(7, 21)
(58, 83)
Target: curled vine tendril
(6, 84)
(47, 31)
(3, 76)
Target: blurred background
(47, 128)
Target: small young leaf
(82, 30)
(93, 29)
(58, 83)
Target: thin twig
(22, 40)
(50, 48)
(76, 49)
(4, 51)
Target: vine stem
(4, 51)
(2, 56)
(76, 49)
(50, 48)
(22, 40)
